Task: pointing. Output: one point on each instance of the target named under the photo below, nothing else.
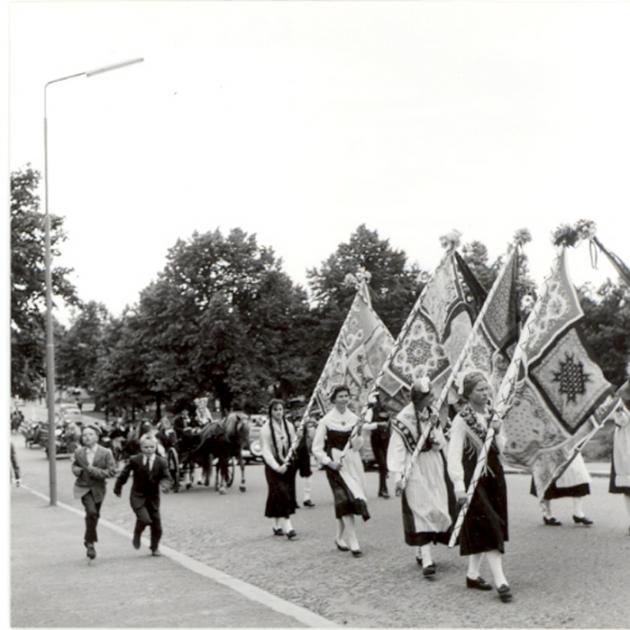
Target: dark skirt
(345, 502)
(485, 526)
(554, 492)
(613, 487)
(303, 459)
(281, 501)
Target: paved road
(562, 577)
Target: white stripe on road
(249, 591)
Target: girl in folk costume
(276, 436)
(428, 502)
(345, 477)
(620, 465)
(485, 527)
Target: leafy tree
(28, 286)
(605, 327)
(394, 287)
(80, 348)
(222, 318)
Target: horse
(223, 440)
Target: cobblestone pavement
(568, 576)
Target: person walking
(15, 467)
(150, 472)
(92, 465)
(620, 462)
(379, 441)
(276, 436)
(428, 501)
(484, 531)
(345, 476)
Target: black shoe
(357, 553)
(156, 552)
(291, 534)
(308, 503)
(341, 547)
(136, 541)
(582, 519)
(505, 593)
(429, 570)
(384, 494)
(479, 583)
(91, 551)
(277, 531)
(552, 520)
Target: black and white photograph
(318, 314)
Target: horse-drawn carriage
(218, 443)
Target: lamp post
(50, 341)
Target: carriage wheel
(230, 472)
(173, 467)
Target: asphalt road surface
(568, 576)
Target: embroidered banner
(494, 336)
(356, 359)
(434, 333)
(554, 396)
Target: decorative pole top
(451, 241)
(521, 237)
(571, 235)
(355, 279)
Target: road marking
(251, 592)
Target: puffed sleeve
(500, 439)
(455, 451)
(318, 443)
(396, 455)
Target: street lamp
(50, 341)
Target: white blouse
(337, 422)
(282, 440)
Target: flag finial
(451, 240)
(570, 235)
(522, 236)
(355, 279)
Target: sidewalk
(53, 585)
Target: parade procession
(319, 314)
(476, 381)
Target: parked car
(254, 452)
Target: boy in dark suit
(149, 472)
(92, 464)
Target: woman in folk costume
(276, 436)
(345, 477)
(573, 482)
(620, 465)
(484, 531)
(428, 502)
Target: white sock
(340, 530)
(287, 525)
(307, 488)
(545, 506)
(578, 507)
(496, 567)
(284, 522)
(474, 564)
(425, 550)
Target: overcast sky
(299, 121)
